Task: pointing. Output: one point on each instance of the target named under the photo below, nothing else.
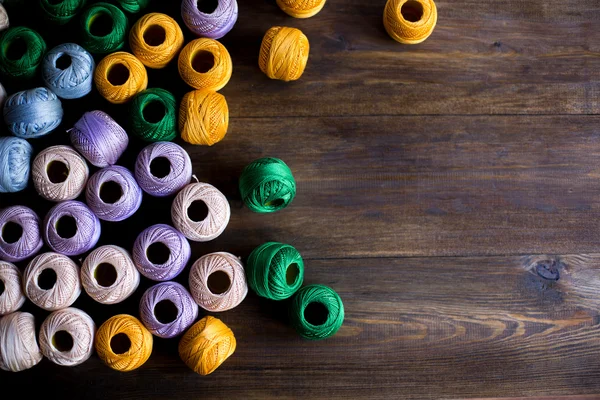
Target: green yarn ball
(267, 185)
(21, 52)
(61, 12)
(317, 312)
(154, 115)
(104, 28)
(133, 6)
(275, 270)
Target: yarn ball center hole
(412, 11)
(154, 112)
(158, 253)
(62, 341)
(218, 282)
(207, 6)
(11, 232)
(66, 227)
(110, 192)
(63, 62)
(120, 343)
(197, 211)
(291, 274)
(316, 313)
(47, 279)
(16, 49)
(118, 74)
(274, 203)
(57, 172)
(155, 35)
(100, 25)
(160, 167)
(165, 311)
(203, 61)
(105, 274)
(2, 288)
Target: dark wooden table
(449, 191)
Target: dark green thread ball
(133, 6)
(154, 115)
(267, 185)
(21, 52)
(61, 12)
(316, 312)
(104, 28)
(275, 270)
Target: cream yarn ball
(11, 294)
(18, 346)
(59, 173)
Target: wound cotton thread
(284, 53)
(206, 345)
(163, 169)
(4, 22)
(133, 6)
(71, 228)
(120, 76)
(3, 95)
(210, 22)
(68, 70)
(61, 12)
(267, 185)
(51, 281)
(153, 115)
(11, 297)
(316, 312)
(218, 282)
(205, 64)
(108, 275)
(20, 236)
(203, 117)
(21, 64)
(18, 346)
(155, 39)
(409, 21)
(103, 28)
(301, 8)
(99, 138)
(161, 252)
(33, 113)
(200, 228)
(275, 270)
(167, 309)
(123, 343)
(59, 173)
(67, 337)
(113, 194)
(15, 164)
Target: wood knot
(497, 44)
(548, 269)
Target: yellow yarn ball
(284, 53)
(206, 345)
(123, 343)
(155, 39)
(205, 64)
(203, 117)
(410, 21)
(120, 76)
(301, 8)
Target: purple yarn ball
(113, 194)
(163, 319)
(175, 242)
(213, 25)
(71, 228)
(99, 138)
(29, 242)
(165, 184)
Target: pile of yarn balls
(109, 274)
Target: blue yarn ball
(68, 70)
(15, 164)
(33, 113)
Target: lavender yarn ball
(168, 309)
(213, 24)
(20, 236)
(163, 169)
(113, 194)
(161, 252)
(99, 138)
(71, 228)
(33, 113)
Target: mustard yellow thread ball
(155, 39)
(410, 21)
(203, 117)
(301, 8)
(205, 64)
(120, 76)
(284, 53)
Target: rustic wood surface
(448, 191)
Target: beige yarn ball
(67, 337)
(108, 275)
(11, 294)
(210, 226)
(59, 173)
(18, 347)
(218, 282)
(51, 281)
